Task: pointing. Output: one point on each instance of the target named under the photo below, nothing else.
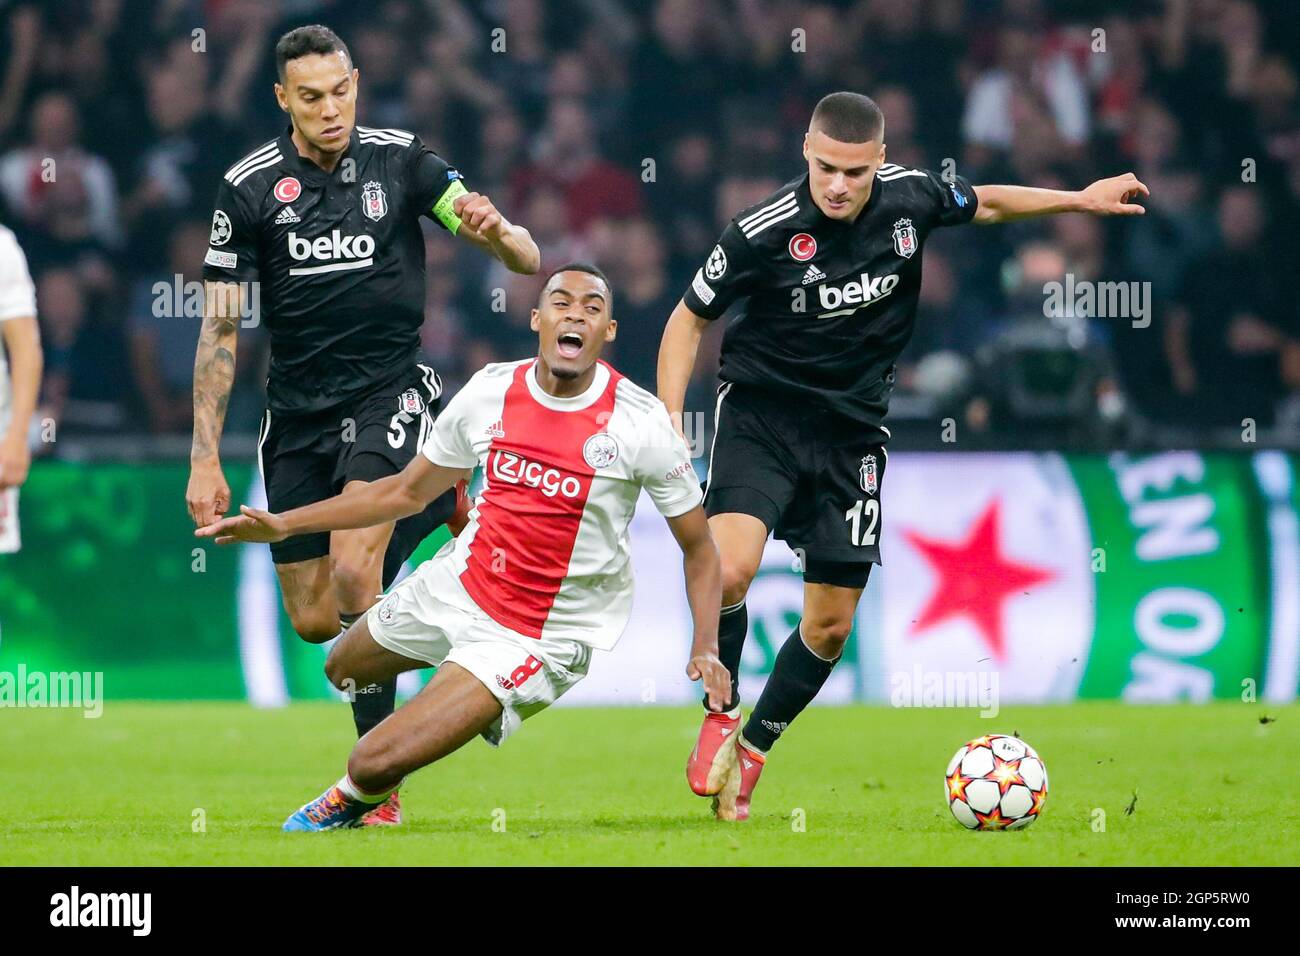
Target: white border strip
(259, 620)
(1273, 472)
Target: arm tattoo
(214, 370)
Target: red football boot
(732, 802)
(387, 814)
(711, 763)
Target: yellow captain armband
(443, 209)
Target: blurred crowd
(629, 133)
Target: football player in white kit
(511, 609)
(20, 381)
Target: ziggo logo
(520, 471)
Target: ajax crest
(904, 238)
(867, 475)
(373, 201)
(600, 450)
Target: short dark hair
(581, 267)
(849, 118)
(304, 41)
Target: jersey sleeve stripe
(386, 129)
(269, 161)
(902, 175)
(383, 140)
(793, 211)
(260, 153)
(752, 219)
(635, 396)
(397, 137)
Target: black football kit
(338, 258)
(808, 365)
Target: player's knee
(357, 580)
(736, 577)
(337, 669)
(826, 635)
(313, 625)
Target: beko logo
(862, 291)
(355, 252)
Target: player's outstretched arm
(360, 506)
(703, 571)
(677, 351)
(22, 341)
(482, 225)
(1105, 197)
(208, 495)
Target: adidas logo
(777, 727)
(813, 275)
(287, 215)
(496, 430)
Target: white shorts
(10, 541)
(430, 617)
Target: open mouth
(569, 345)
(332, 131)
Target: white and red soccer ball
(996, 782)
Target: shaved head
(849, 118)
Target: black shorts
(308, 458)
(813, 479)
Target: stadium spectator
(1231, 337)
(161, 341)
(62, 193)
(563, 108)
(568, 156)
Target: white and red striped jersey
(17, 300)
(546, 551)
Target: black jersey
(338, 257)
(831, 303)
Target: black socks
(796, 678)
(733, 625)
(370, 704)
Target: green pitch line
(584, 786)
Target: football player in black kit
(326, 220)
(831, 266)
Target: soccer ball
(995, 782)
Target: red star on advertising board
(975, 578)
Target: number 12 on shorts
(863, 513)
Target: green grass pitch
(586, 786)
